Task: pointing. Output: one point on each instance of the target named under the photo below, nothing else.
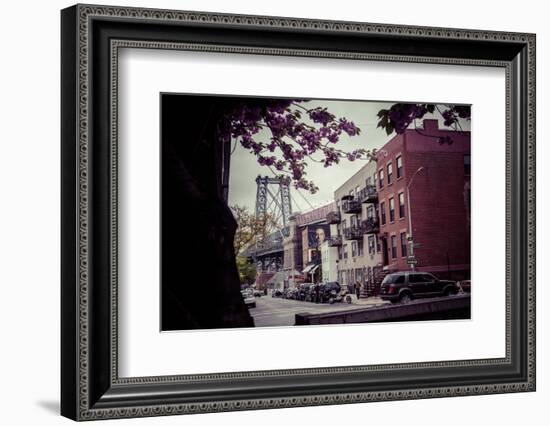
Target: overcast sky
(244, 167)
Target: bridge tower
(273, 197)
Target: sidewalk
(369, 301)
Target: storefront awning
(309, 269)
(293, 273)
(313, 269)
(279, 277)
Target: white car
(249, 299)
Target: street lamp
(411, 244)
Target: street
(275, 311)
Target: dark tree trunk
(200, 281)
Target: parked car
(332, 292)
(276, 293)
(290, 293)
(257, 293)
(405, 286)
(465, 286)
(311, 292)
(249, 299)
(302, 291)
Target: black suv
(329, 292)
(405, 286)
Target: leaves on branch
(399, 116)
(298, 135)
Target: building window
(377, 243)
(360, 251)
(393, 246)
(399, 163)
(392, 210)
(345, 251)
(381, 178)
(390, 173)
(353, 248)
(340, 252)
(467, 165)
(369, 181)
(404, 244)
(383, 213)
(370, 211)
(371, 244)
(401, 198)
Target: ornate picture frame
(91, 38)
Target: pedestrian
(358, 289)
(317, 292)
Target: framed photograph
(263, 212)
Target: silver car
(249, 299)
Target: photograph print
(281, 212)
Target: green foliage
(247, 270)
(250, 229)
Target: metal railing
(368, 194)
(370, 225)
(333, 217)
(351, 206)
(335, 241)
(353, 233)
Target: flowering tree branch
(292, 139)
(399, 116)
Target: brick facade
(436, 176)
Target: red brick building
(431, 167)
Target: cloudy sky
(244, 167)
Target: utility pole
(411, 259)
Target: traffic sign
(412, 260)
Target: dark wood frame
(91, 388)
